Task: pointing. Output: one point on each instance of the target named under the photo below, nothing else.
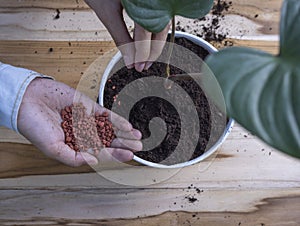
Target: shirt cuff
(13, 83)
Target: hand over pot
(139, 51)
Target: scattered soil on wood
(209, 26)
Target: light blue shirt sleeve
(13, 84)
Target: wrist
(14, 82)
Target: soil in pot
(147, 108)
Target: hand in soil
(39, 120)
(141, 52)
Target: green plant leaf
(261, 91)
(290, 30)
(154, 15)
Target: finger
(134, 134)
(89, 159)
(118, 121)
(157, 45)
(148, 65)
(142, 42)
(68, 156)
(128, 52)
(133, 145)
(114, 155)
(111, 15)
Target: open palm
(39, 120)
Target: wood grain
(245, 183)
(242, 162)
(264, 13)
(54, 58)
(35, 20)
(22, 160)
(36, 55)
(46, 4)
(149, 207)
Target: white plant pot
(207, 153)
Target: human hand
(141, 53)
(39, 120)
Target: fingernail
(137, 134)
(92, 162)
(130, 66)
(140, 67)
(123, 156)
(148, 65)
(139, 146)
(89, 158)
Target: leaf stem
(171, 46)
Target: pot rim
(211, 49)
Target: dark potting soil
(147, 108)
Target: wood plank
(39, 24)
(157, 207)
(267, 46)
(265, 13)
(37, 56)
(48, 4)
(239, 6)
(246, 183)
(7, 135)
(269, 212)
(54, 58)
(78, 22)
(246, 19)
(21, 160)
(242, 162)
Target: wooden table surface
(246, 183)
